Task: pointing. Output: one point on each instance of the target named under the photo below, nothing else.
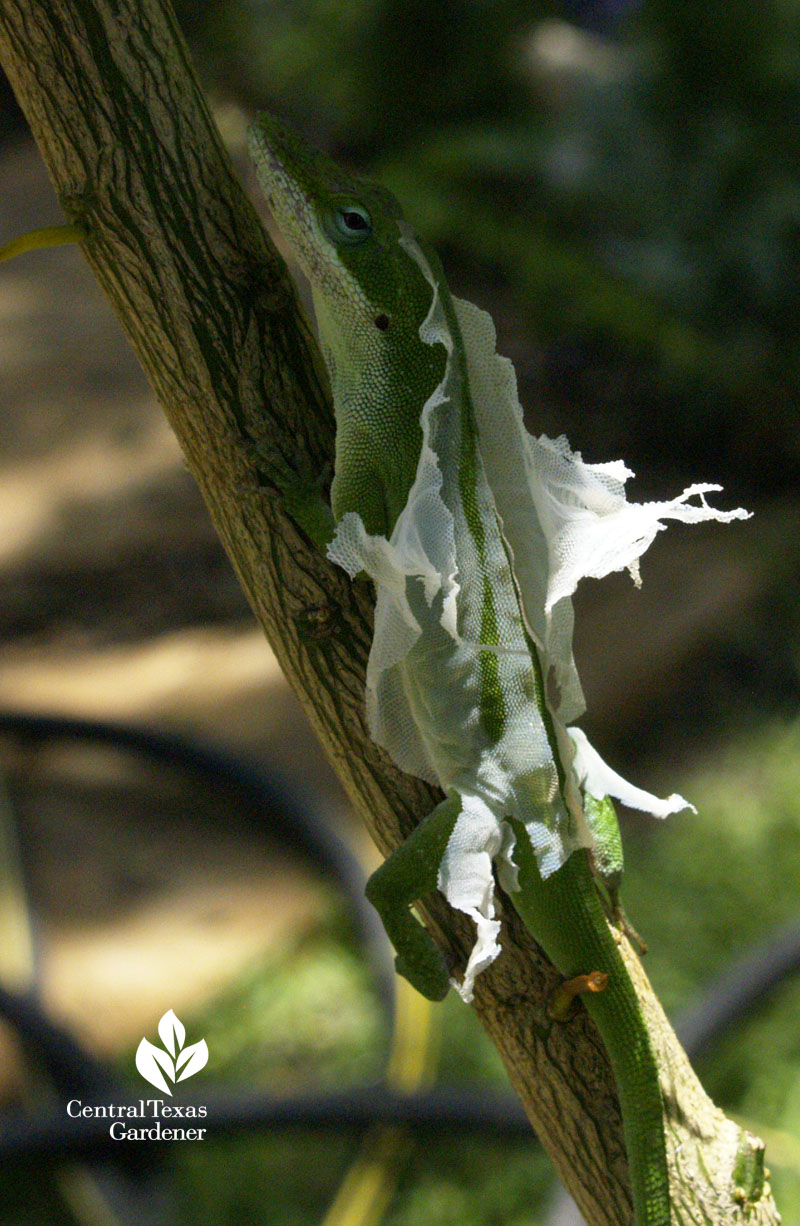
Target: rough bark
(136, 161)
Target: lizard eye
(352, 222)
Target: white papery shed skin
(564, 520)
(424, 672)
(556, 520)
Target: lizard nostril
(382, 322)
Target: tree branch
(137, 163)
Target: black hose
(291, 818)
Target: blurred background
(618, 183)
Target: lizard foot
(429, 974)
(563, 998)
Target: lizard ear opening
(382, 322)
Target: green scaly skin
(370, 299)
(565, 915)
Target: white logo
(178, 1062)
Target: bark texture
(136, 161)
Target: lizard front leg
(411, 872)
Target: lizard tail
(564, 914)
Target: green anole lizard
(475, 535)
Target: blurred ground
(117, 602)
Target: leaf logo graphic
(178, 1062)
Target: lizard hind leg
(411, 872)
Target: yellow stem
(48, 236)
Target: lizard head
(371, 297)
(341, 229)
